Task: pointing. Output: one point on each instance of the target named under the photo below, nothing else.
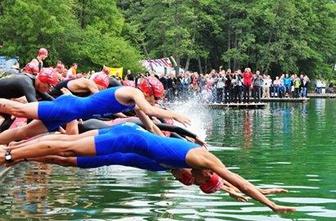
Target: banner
(158, 65)
(6, 63)
(118, 72)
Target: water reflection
(247, 125)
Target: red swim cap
(186, 178)
(214, 184)
(151, 86)
(42, 51)
(48, 76)
(101, 79)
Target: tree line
(270, 35)
(88, 32)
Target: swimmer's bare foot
(273, 191)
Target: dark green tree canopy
(270, 35)
(84, 31)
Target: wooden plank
(327, 95)
(251, 105)
(285, 99)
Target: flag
(118, 72)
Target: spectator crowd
(232, 87)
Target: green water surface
(288, 145)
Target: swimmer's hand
(283, 209)
(273, 191)
(182, 119)
(234, 194)
(201, 142)
(65, 91)
(238, 196)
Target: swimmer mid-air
(129, 144)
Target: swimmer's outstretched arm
(199, 158)
(265, 191)
(234, 194)
(148, 123)
(28, 110)
(125, 94)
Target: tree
(68, 30)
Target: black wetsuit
(114, 82)
(94, 124)
(18, 85)
(15, 86)
(56, 91)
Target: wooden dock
(326, 95)
(250, 105)
(285, 99)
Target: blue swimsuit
(69, 107)
(125, 159)
(130, 145)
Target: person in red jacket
(247, 81)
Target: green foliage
(84, 31)
(269, 35)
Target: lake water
(288, 145)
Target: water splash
(199, 114)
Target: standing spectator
(185, 85)
(235, 87)
(304, 83)
(247, 81)
(228, 86)
(194, 83)
(61, 69)
(35, 65)
(282, 88)
(163, 80)
(72, 71)
(287, 81)
(276, 87)
(266, 86)
(202, 82)
(129, 80)
(297, 84)
(179, 86)
(257, 86)
(220, 83)
(170, 86)
(240, 84)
